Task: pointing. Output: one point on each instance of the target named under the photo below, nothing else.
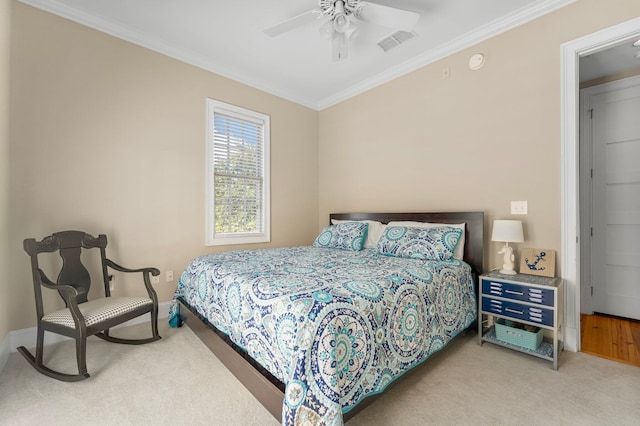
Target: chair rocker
(81, 317)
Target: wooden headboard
(474, 229)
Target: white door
(615, 244)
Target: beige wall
(108, 137)
(474, 141)
(5, 21)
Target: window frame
(216, 239)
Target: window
(237, 175)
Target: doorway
(610, 213)
(610, 196)
(571, 263)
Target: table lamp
(507, 231)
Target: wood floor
(611, 337)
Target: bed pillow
(345, 236)
(374, 230)
(458, 253)
(436, 243)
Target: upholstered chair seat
(98, 311)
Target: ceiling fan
(338, 21)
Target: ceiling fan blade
(386, 16)
(293, 23)
(340, 46)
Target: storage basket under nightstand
(505, 332)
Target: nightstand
(526, 299)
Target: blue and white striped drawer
(518, 311)
(542, 296)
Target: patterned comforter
(335, 326)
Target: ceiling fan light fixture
(341, 23)
(340, 47)
(326, 30)
(337, 21)
(352, 32)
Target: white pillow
(375, 229)
(458, 252)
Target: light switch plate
(519, 207)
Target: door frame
(570, 165)
(586, 189)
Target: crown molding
(492, 29)
(121, 31)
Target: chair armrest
(45, 281)
(62, 288)
(114, 265)
(145, 276)
(69, 294)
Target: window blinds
(238, 157)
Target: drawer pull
(534, 315)
(535, 310)
(535, 299)
(517, 293)
(535, 290)
(513, 311)
(498, 292)
(535, 319)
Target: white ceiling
(226, 37)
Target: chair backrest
(73, 272)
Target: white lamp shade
(509, 231)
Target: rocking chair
(81, 317)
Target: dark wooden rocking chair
(82, 318)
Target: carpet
(177, 381)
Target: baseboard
(5, 351)
(571, 339)
(27, 336)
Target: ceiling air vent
(395, 39)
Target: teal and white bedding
(334, 326)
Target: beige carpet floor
(177, 381)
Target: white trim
(585, 205)
(116, 29)
(27, 336)
(492, 29)
(5, 351)
(570, 214)
(263, 120)
(132, 35)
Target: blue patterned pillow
(346, 236)
(419, 243)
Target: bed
(317, 332)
